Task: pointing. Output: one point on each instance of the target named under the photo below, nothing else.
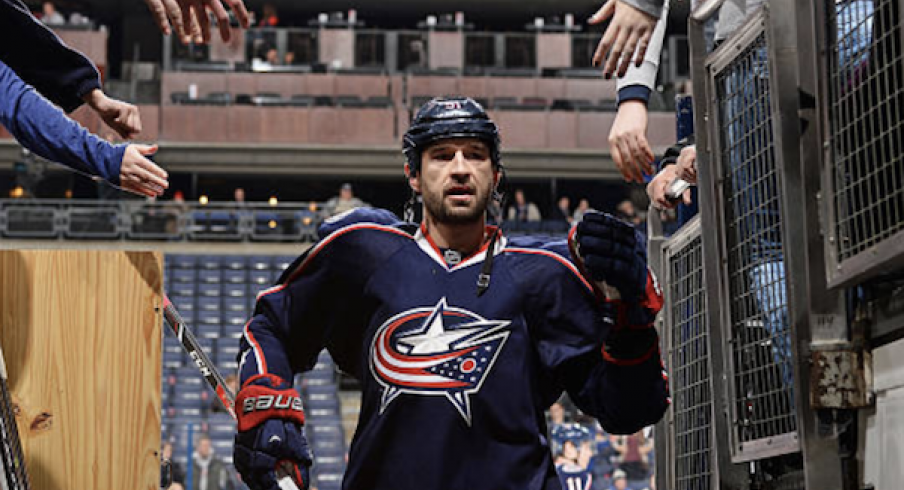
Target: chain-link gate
(758, 351)
(864, 82)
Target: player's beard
(442, 211)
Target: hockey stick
(14, 475)
(210, 373)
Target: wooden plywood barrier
(81, 332)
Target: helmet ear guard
(446, 118)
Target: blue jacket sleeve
(43, 128)
(36, 54)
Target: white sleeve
(645, 74)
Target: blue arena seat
(259, 262)
(184, 276)
(236, 302)
(210, 276)
(237, 276)
(260, 277)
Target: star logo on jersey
(438, 351)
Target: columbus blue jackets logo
(438, 351)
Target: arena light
(203, 200)
(273, 201)
(17, 192)
(272, 224)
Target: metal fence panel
(865, 130)
(688, 357)
(760, 355)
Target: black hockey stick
(210, 373)
(14, 475)
(191, 346)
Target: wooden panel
(362, 85)
(285, 84)
(245, 123)
(592, 89)
(337, 47)
(320, 84)
(551, 88)
(519, 129)
(593, 129)
(513, 87)
(553, 50)
(284, 125)
(476, 87)
(562, 129)
(82, 340)
(240, 83)
(446, 49)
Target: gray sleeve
(645, 74)
(651, 7)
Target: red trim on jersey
(488, 232)
(630, 362)
(256, 348)
(555, 256)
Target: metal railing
(863, 110)
(172, 221)
(375, 50)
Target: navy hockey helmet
(445, 118)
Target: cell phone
(676, 189)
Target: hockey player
(461, 337)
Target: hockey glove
(613, 254)
(270, 441)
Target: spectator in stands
(272, 56)
(568, 454)
(634, 455)
(238, 197)
(626, 211)
(345, 201)
(178, 472)
(562, 211)
(289, 58)
(523, 211)
(45, 130)
(269, 17)
(556, 415)
(50, 15)
(209, 473)
(583, 207)
(602, 465)
(619, 480)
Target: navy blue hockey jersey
(454, 385)
(575, 477)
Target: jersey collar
(425, 242)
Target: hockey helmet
(445, 118)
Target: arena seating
(215, 294)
